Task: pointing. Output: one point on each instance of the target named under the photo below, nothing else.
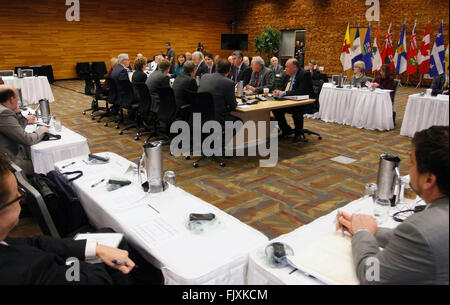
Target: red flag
(412, 54)
(388, 50)
(424, 52)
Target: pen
(67, 165)
(340, 225)
(153, 208)
(95, 184)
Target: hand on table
(31, 119)
(278, 93)
(249, 88)
(44, 129)
(108, 255)
(354, 222)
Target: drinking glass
(169, 177)
(57, 125)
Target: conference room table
(260, 272)
(157, 224)
(357, 107)
(39, 70)
(33, 88)
(423, 112)
(260, 112)
(46, 153)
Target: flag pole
(420, 81)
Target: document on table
(329, 259)
(297, 97)
(107, 239)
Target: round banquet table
(33, 88)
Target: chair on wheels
(144, 99)
(127, 101)
(317, 87)
(113, 100)
(84, 72)
(204, 104)
(101, 96)
(167, 113)
(37, 204)
(98, 71)
(393, 93)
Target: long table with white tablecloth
(357, 107)
(423, 112)
(33, 88)
(157, 225)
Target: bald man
(14, 140)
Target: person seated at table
(184, 82)
(275, 67)
(14, 140)
(216, 59)
(440, 84)
(297, 81)
(230, 60)
(158, 80)
(154, 64)
(384, 80)
(240, 71)
(358, 78)
(113, 62)
(209, 61)
(188, 56)
(416, 252)
(179, 68)
(222, 90)
(315, 73)
(139, 76)
(200, 66)
(41, 260)
(247, 61)
(262, 77)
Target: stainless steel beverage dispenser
(152, 157)
(388, 178)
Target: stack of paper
(297, 97)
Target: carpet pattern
(304, 185)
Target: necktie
(257, 79)
(288, 86)
(236, 76)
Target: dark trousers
(297, 116)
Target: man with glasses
(42, 259)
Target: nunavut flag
(346, 58)
(388, 50)
(412, 53)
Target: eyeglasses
(22, 192)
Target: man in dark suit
(209, 61)
(416, 252)
(240, 71)
(440, 84)
(158, 80)
(184, 82)
(222, 90)
(120, 77)
(262, 77)
(200, 66)
(297, 81)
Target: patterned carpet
(304, 185)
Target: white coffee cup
(266, 91)
(428, 92)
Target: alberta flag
(412, 53)
(437, 61)
(367, 50)
(377, 62)
(356, 49)
(400, 53)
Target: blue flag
(437, 60)
(367, 50)
(400, 58)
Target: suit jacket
(278, 70)
(138, 77)
(303, 85)
(245, 73)
(15, 141)
(42, 260)
(213, 68)
(202, 69)
(438, 83)
(268, 80)
(120, 76)
(222, 90)
(182, 83)
(416, 252)
(156, 80)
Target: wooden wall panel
(325, 22)
(36, 32)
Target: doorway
(291, 44)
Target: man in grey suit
(158, 80)
(261, 78)
(14, 140)
(275, 67)
(222, 90)
(416, 252)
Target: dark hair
(209, 55)
(238, 54)
(168, 43)
(387, 70)
(5, 167)
(431, 151)
(139, 63)
(1, 81)
(223, 66)
(6, 94)
(182, 55)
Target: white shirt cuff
(361, 230)
(91, 250)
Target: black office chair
(36, 204)
(140, 106)
(317, 87)
(167, 113)
(84, 72)
(204, 104)
(113, 99)
(101, 112)
(396, 85)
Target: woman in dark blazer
(139, 75)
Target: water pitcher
(152, 157)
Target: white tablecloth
(423, 112)
(33, 88)
(261, 273)
(360, 108)
(217, 256)
(46, 153)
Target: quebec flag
(437, 60)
